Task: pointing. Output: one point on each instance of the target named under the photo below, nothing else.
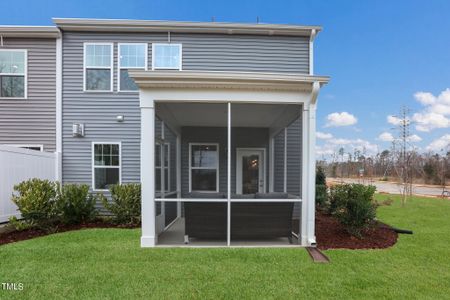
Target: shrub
(321, 195)
(18, 225)
(36, 200)
(321, 178)
(321, 187)
(353, 206)
(126, 203)
(76, 204)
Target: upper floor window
(131, 56)
(167, 56)
(13, 72)
(98, 62)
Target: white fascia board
(124, 25)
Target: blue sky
(379, 54)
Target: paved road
(394, 188)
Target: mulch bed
(15, 236)
(330, 234)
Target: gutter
(123, 25)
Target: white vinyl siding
(98, 65)
(13, 73)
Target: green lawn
(108, 263)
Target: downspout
(311, 51)
(58, 108)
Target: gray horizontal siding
(32, 120)
(244, 53)
(240, 138)
(98, 111)
(294, 160)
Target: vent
(78, 130)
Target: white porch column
(148, 238)
(304, 184)
(311, 213)
(307, 224)
(229, 176)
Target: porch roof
(222, 79)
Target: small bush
(76, 204)
(36, 200)
(321, 178)
(321, 195)
(126, 203)
(353, 206)
(19, 225)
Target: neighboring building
(28, 94)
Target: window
(131, 56)
(204, 167)
(106, 165)
(166, 56)
(98, 61)
(13, 72)
(166, 166)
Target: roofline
(29, 31)
(217, 79)
(128, 25)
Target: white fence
(17, 165)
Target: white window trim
(25, 73)
(119, 67)
(40, 146)
(203, 168)
(166, 168)
(167, 68)
(105, 167)
(111, 67)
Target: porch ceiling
(215, 115)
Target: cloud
(436, 111)
(333, 145)
(386, 137)
(341, 119)
(394, 120)
(414, 138)
(439, 144)
(425, 98)
(428, 121)
(323, 136)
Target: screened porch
(227, 174)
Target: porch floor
(174, 237)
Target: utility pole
(404, 155)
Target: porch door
(250, 171)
